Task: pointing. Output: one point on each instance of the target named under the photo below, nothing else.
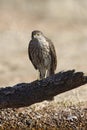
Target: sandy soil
(65, 23)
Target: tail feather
(51, 71)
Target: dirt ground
(64, 22)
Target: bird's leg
(38, 75)
(50, 72)
(46, 74)
(42, 73)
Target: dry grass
(43, 116)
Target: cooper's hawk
(42, 54)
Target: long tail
(51, 71)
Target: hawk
(42, 54)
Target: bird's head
(37, 35)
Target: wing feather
(30, 53)
(53, 57)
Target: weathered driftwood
(25, 94)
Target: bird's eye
(38, 34)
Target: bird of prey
(42, 54)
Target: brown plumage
(42, 54)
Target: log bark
(26, 94)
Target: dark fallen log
(26, 94)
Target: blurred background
(63, 21)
